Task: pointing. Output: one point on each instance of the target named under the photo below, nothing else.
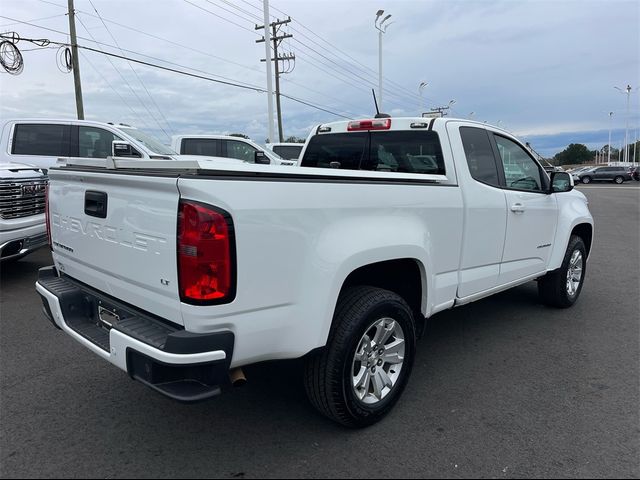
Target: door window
(241, 151)
(480, 158)
(95, 142)
(520, 170)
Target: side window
(201, 146)
(520, 170)
(241, 151)
(405, 152)
(288, 152)
(47, 140)
(95, 142)
(480, 158)
(340, 150)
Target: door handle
(517, 208)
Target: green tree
(294, 139)
(241, 135)
(574, 154)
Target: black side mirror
(120, 148)
(261, 158)
(561, 182)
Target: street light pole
(381, 29)
(609, 146)
(627, 90)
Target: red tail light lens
(376, 124)
(206, 254)
(46, 214)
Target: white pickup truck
(179, 272)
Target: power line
(220, 16)
(409, 93)
(208, 78)
(124, 79)
(139, 119)
(137, 30)
(135, 73)
(230, 11)
(256, 89)
(34, 20)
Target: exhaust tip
(237, 377)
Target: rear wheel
(618, 180)
(357, 379)
(585, 180)
(561, 288)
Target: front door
(532, 214)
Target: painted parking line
(600, 188)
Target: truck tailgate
(117, 233)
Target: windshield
(149, 141)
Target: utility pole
(75, 62)
(439, 111)
(267, 49)
(275, 26)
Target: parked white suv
(22, 210)
(226, 146)
(40, 142)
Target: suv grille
(22, 198)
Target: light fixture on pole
(471, 114)
(382, 28)
(421, 87)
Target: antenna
(375, 101)
(378, 114)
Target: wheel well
(401, 276)
(585, 232)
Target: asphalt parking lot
(504, 387)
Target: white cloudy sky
(545, 70)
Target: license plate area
(108, 315)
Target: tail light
(46, 214)
(206, 254)
(377, 124)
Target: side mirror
(261, 158)
(561, 182)
(121, 148)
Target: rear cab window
(392, 151)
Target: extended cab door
(485, 209)
(532, 214)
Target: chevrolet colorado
(181, 272)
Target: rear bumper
(181, 365)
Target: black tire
(619, 180)
(585, 180)
(552, 288)
(329, 372)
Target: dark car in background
(617, 175)
(635, 173)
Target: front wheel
(585, 180)
(561, 288)
(357, 379)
